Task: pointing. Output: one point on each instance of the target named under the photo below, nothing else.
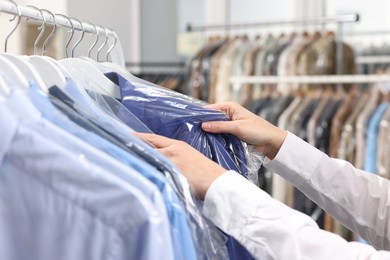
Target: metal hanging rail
(326, 79)
(306, 21)
(369, 33)
(30, 13)
(381, 59)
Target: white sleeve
(268, 229)
(358, 199)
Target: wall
(115, 14)
(158, 30)
(375, 19)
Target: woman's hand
(199, 170)
(248, 127)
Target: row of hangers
(17, 70)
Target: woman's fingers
(157, 141)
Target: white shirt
(271, 230)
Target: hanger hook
(16, 26)
(97, 52)
(96, 40)
(71, 33)
(104, 44)
(51, 34)
(113, 45)
(42, 28)
(81, 38)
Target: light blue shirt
(181, 235)
(56, 204)
(19, 104)
(372, 138)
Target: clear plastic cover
(210, 243)
(174, 115)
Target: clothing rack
(339, 19)
(384, 59)
(156, 64)
(45, 16)
(364, 33)
(326, 79)
(371, 59)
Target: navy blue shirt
(180, 119)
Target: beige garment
(238, 69)
(312, 124)
(338, 122)
(246, 96)
(222, 88)
(269, 43)
(383, 160)
(215, 61)
(293, 126)
(282, 190)
(361, 124)
(347, 145)
(288, 59)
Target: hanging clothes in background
(373, 58)
(285, 55)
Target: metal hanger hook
(96, 40)
(113, 45)
(42, 28)
(16, 26)
(82, 35)
(104, 44)
(71, 33)
(51, 34)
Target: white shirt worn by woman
(271, 230)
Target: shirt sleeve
(358, 199)
(268, 229)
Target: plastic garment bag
(167, 113)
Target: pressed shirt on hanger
(134, 175)
(177, 217)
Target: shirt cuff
(222, 198)
(296, 160)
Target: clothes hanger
(4, 90)
(23, 65)
(51, 73)
(10, 75)
(4, 87)
(87, 74)
(106, 67)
